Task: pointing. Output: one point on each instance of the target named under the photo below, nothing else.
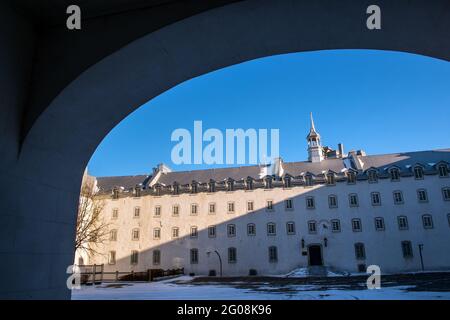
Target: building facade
(344, 211)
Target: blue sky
(379, 101)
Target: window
(395, 174)
(135, 234)
(331, 181)
(112, 257)
(194, 256)
(137, 212)
(134, 258)
(230, 185)
(287, 182)
(379, 224)
(115, 213)
(231, 230)
(290, 228)
(443, 171)
(376, 198)
(427, 221)
(156, 233)
(249, 184)
(402, 223)
(446, 194)
(158, 190)
(194, 209)
(332, 201)
(176, 188)
(113, 235)
(356, 225)
(351, 177)
(194, 187)
(353, 200)
(212, 186)
(137, 191)
(308, 181)
(422, 195)
(310, 203)
(418, 173)
(407, 249)
(398, 197)
(288, 204)
(312, 228)
(372, 176)
(249, 205)
(157, 211)
(212, 231)
(268, 183)
(335, 225)
(231, 255)
(175, 210)
(156, 257)
(269, 205)
(230, 207)
(194, 232)
(115, 193)
(175, 232)
(271, 229)
(273, 254)
(448, 219)
(360, 251)
(212, 208)
(251, 229)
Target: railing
(95, 274)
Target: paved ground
(404, 287)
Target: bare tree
(91, 230)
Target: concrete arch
(59, 144)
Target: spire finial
(312, 122)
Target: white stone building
(342, 211)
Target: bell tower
(315, 150)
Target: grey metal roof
(127, 182)
(405, 161)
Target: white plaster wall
(382, 247)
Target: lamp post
(220, 259)
(421, 257)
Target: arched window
(115, 193)
(372, 176)
(212, 186)
(251, 229)
(232, 256)
(194, 187)
(230, 185)
(308, 180)
(249, 184)
(135, 234)
(443, 171)
(287, 181)
(360, 251)
(268, 182)
(271, 229)
(273, 254)
(113, 235)
(418, 172)
(156, 257)
(395, 174)
(176, 188)
(351, 177)
(330, 179)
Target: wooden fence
(95, 274)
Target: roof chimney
(341, 150)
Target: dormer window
(194, 187)
(287, 182)
(249, 184)
(418, 172)
(331, 181)
(372, 176)
(308, 180)
(268, 183)
(176, 188)
(137, 191)
(230, 185)
(158, 190)
(115, 193)
(212, 186)
(351, 177)
(443, 171)
(395, 174)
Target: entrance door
(315, 255)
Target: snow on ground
(169, 290)
(305, 272)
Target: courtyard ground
(411, 286)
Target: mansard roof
(404, 161)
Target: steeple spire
(315, 151)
